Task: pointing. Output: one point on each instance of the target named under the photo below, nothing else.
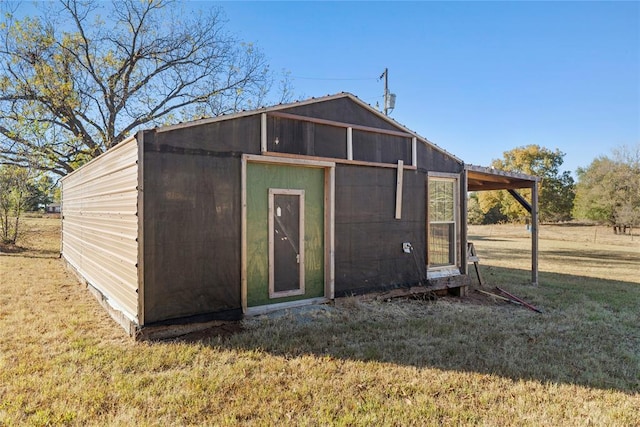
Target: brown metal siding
(100, 225)
(432, 160)
(341, 110)
(368, 248)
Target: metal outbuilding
(259, 210)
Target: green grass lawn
(452, 361)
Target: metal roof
(481, 178)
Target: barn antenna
(389, 98)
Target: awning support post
(533, 210)
(534, 233)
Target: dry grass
(449, 362)
(583, 251)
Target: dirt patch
(223, 330)
(422, 293)
(306, 314)
(476, 298)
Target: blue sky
(476, 78)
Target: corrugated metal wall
(100, 225)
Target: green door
(285, 233)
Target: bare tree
(78, 80)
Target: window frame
(453, 268)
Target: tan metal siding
(100, 225)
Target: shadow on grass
(579, 256)
(32, 253)
(588, 334)
(8, 248)
(619, 257)
(486, 239)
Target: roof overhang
(482, 178)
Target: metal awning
(481, 178)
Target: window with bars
(442, 222)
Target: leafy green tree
(475, 215)
(608, 190)
(556, 191)
(82, 76)
(14, 195)
(41, 192)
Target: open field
(469, 361)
